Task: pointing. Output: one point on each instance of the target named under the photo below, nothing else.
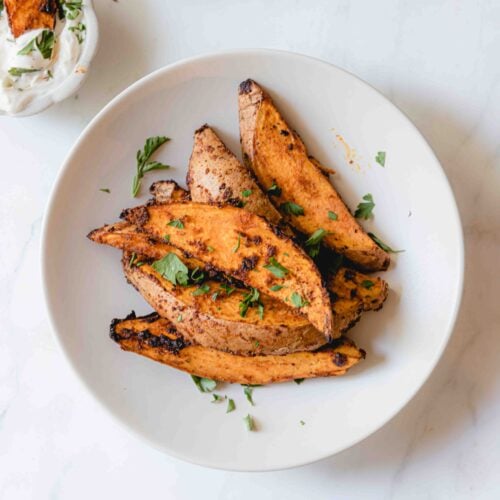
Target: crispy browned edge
(157, 339)
(365, 253)
(25, 15)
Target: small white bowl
(76, 78)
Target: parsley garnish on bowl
(144, 162)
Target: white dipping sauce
(16, 92)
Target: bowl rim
(74, 80)
(63, 171)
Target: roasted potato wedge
(241, 244)
(25, 15)
(157, 339)
(215, 175)
(276, 154)
(217, 323)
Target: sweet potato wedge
(217, 323)
(25, 15)
(240, 244)
(276, 154)
(157, 339)
(215, 175)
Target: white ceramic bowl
(415, 210)
(75, 79)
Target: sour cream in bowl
(43, 66)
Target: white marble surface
(437, 60)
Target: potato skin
(25, 15)
(276, 154)
(157, 339)
(215, 175)
(241, 244)
(217, 323)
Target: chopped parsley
(274, 190)
(105, 190)
(79, 31)
(299, 381)
(228, 289)
(167, 238)
(380, 158)
(71, 10)
(197, 275)
(237, 246)
(291, 208)
(132, 259)
(365, 209)
(215, 295)
(383, 245)
(297, 300)
(332, 215)
(251, 299)
(302, 422)
(248, 390)
(27, 49)
(367, 284)
(230, 405)
(210, 249)
(276, 268)
(176, 223)
(204, 384)
(276, 288)
(179, 318)
(260, 310)
(314, 242)
(249, 422)
(172, 268)
(143, 157)
(246, 193)
(256, 343)
(21, 71)
(44, 42)
(201, 290)
(216, 398)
